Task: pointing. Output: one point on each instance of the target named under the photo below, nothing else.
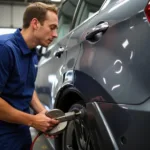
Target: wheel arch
(84, 89)
(67, 97)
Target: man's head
(42, 20)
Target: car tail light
(147, 11)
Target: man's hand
(43, 123)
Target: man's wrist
(31, 120)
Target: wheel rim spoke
(78, 136)
(77, 133)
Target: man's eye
(52, 27)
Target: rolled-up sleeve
(5, 61)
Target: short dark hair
(37, 10)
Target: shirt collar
(21, 42)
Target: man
(17, 76)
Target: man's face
(47, 31)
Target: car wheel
(77, 136)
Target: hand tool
(63, 119)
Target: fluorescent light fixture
(115, 87)
(125, 43)
(104, 79)
(117, 61)
(119, 71)
(131, 56)
(131, 27)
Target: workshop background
(11, 14)
(98, 67)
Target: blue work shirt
(18, 69)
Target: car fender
(79, 83)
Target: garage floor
(41, 143)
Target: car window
(66, 14)
(87, 9)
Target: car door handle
(59, 52)
(96, 32)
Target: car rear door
(115, 53)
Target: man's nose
(55, 34)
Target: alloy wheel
(77, 135)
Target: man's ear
(35, 23)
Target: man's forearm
(12, 115)
(36, 104)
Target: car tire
(77, 135)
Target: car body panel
(119, 125)
(49, 69)
(72, 54)
(110, 75)
(115, 60)
(100, 130)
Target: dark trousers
(19, 139)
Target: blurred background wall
(11, 13)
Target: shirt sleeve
(5, 61)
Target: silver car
(100, 63)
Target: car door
(50, 66)
(115, 53)
(88, 10)
(109, 48)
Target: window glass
(88, 8)
(66, 14)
